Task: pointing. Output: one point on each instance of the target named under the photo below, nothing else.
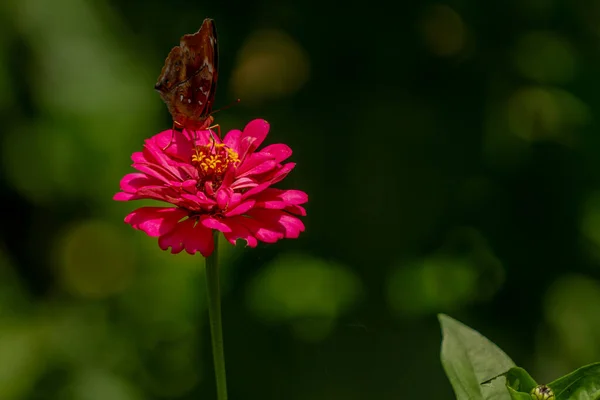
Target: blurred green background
(450, 152)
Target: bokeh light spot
(98, 384)
(20, 364)
(95, 259)
(462, 271)
(571, 309)
(590, 223)
(302, 289)
(13, 296)
(545, 57)
(91, 96)
(443, 30)
(271, 64)
(536, 113)
(431, 284)
(38, 160)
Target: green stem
(214, 314)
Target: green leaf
(514, 395)
(583, 383)
(470, 359)
(520, 380)
(520, 384)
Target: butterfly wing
(188, 81)
(201, 51)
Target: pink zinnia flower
(213, 184)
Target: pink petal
(239, 231)
(253, 160)
(200, 201)
(243, 183)
(176, 144)
(264, 230)
(234, 200)
(268, 233)
(213, 223)
(279, 151)
(281, 205)
(155, 171)
(132, 182)
(229, 177)
(253, 135)
(175, 239)
(294, 196)
(276, 177)
(189, 134)
(124, 196)
(189, 185)
(241, 209)
(232, 140)
(278, 220)
(155, 221)
(279, 175)
(272, 204)
(164, 162)
(208, 189)
(163, 138)
(201, 240)
(184, 170)
(223, 196)
(287, 196)
(294, 209)
(138, 157)
(256, 189)
(205, 136)
(160, 193)
(257, 169)
(293, 226)
(189, 236)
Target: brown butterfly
(188, 80)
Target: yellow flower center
(213, 159)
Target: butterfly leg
(218, 129)
(172, 137)
(212, 137)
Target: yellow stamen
(212, 160)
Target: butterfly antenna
(226, 107)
